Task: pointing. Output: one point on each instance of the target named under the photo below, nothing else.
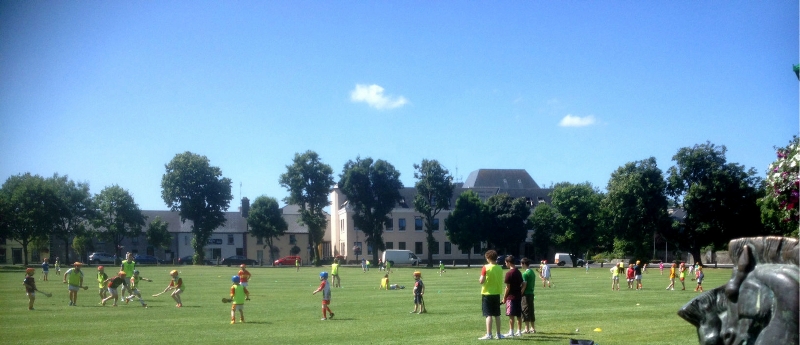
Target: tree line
(722, 201)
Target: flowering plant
(783, 181)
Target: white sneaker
(486, 337)
(323, 319)
(510, 334)
(518, 334)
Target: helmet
(173, 272)
(417, 274)
(323, 275)
(77, 264)
(29, 270)
(242, 265)
(235, 279)
(136, 272)
(122, 273)
(100, 268)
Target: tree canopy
(266, 222)
(434, 189)
(199, 193)
(158, 233)
(75, 209)
(780, 206)
(636, 206)
(465, 225)
(719, 198)
(309, 182)
(372, 189)
(117, 216)
(506, 227)
(28, 209)
(545, 224)
(578, 216)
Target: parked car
(101, 258)
(187, 260)
(238, 260)
(288, 260)
(146, 260)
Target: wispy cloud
(577, 121)
(374, 97)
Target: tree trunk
(66, 249)
(696, 255)
(469, 258)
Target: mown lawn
(283, 311)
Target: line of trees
(721, 200)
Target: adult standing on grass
(101, 278)
(335, 273)
(528, 283)
(128, 266)
(74, 277)
(491, 281)
(512, 297)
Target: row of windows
(418, 246)
(401, 224)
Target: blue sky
(109, 92)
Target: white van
(563, 259)
(400, 257)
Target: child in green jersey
(101, 277)
(441, 268)
(175, 284)
(135, 288)
(239, 294)
(74, 277)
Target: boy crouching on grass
(135, 288)
(175, 284)
(326, 295)
(239, 294)
(113, 284)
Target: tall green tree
(83, 244)
(434, 190)
(372, 189)
(506, 222)
(157, 233)
(117, 216)
(545, 224)
(199, 193)
(266, 222)
(719, 198)
(578, 207)
(465, 225)
(75, 209)
(28, 209)
(636, 205)
(309, 183)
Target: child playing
(419, 290)
(335, 273)
(74, 277)
(239, 294)
(661, 267)
(546, 274)
(615, 277)
(297, 265)
(113, 284)
(30, 286)
(385, 282)
(135, 288)
(58, 266)
(441, 268)
(101, 278)
(491, 281)
(682, 275)
(671, 285)
(629, 276)
(700, 276)
(45, 270)
(175, 284)
(244, 275)
(326, 295)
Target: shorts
(417, 299)
(490, 304)
(682, 278)
(528, 312)
(239, 307)
(630, 280)
(513, 307)
(326, 302)
(31, 294)
(74, 287)
(615, 278)
(45, 271)
(244, 284)
(113, 291)
(638, 277)
(699, 281)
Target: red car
(288, 261)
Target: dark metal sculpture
(759, 304)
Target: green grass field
(283, 311)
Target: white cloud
(576, 121)
(374, 97)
